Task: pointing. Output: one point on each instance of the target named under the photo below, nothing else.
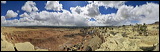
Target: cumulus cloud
(5, 22)
(56, 18)
(76, 10)
(53, 5)
(29, 6)
(3, 19)
(24, 15)
(126, 14)
(107, 4)
(91, 10)
(3, 2)
(10, 14)
(43, 18)
(149, 13)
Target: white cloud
(150, 11)
(11, 13)
(26, 19)
(115, 4)
(24, 15)
(91, 10)
(3, 19)
(9, 22)
(56, 18)
(3, 2)
(146, 13)
(107, 20)
(53, 5)
(76, 10)
(90, 1)
(29, 6)
(64, 18)
(124, 12)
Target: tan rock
(95, 42)
(26, 46)
(5, 45)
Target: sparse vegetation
(113, 33)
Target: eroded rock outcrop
(5, 45)
(27, 46)
(8, 46)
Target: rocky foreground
(122, 38)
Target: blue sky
(16, 5)
(134, 3)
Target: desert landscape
(139, 37)
(79, 25)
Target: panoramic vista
(79, 25)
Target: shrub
(112, 33)
(88, 48)
(124, 34)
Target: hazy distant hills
(156, 22)
(64, 26)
